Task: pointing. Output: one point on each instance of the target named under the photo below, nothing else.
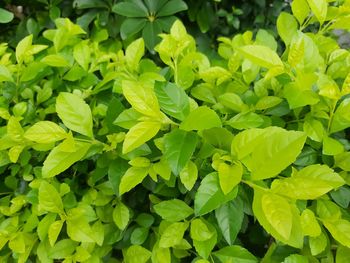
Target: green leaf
(328, 210)
(230, 218)
(247, 120)
(209, 195)
(60, 160)
(309, 183)
(229, 176)
(318, 244)
(179, 146)
(332, 146)
(244, 143)
(278, 213)
(5, 74)
(139, 134)
(232, 101)
(276, 153)
(134, 53)
(116, 170)
(267, 102)
(5, 16)
(139, 235)
(314, 129)
(262, 56)
(132, 26)
(205, 247)
(173, 100)
(55, 61)
(189, 175)
(286, 26)
(49, 199)
(62, 249)
(342, 255)
(200, 119)
(173, 210)
(319, 8)
(340, 230)
(137, 254)
(296, 238)
(121, 215)
(82, 54)
(235, 254)
(141, 98)
(132, 177)
(341, 117)
(78, 229)
(341, 196)
(128, 118)
(75, 113)
(130, 9)
(45, 132)
(296, 259)
(199, 230)
(300, 10)
(17, 244)
(44, 224)
(172, 7)
(342, 161)
(309, 224)
(150, 33)
(54, 231)
(172, 235)
(23, 47)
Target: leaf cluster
(108, 156)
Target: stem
(331, 114)
(305, 24)
(252, 185)
(175, 71)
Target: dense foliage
(112, 155)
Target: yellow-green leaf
(278, 213)
(54, 231)
(142, 98)
(58, 160)
(262, 56)
(45, 132)
(132, 177)
(229, 176)
(139, 134)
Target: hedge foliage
(112, 155)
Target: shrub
(108, 156)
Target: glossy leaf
(173, 210)
(209, 195)
(229, 176)
(200, 119)
(121, 215)
(262, 56)
(179, 146)
(310, 182)
(142, 99)
(235, 254)
(45, 132)
(60, 160)
(139, 134)
(75, 113)
(132, 177)
(230, 218)
(189, 175)
(173, 100)
(319, 8)
(274, 154)
(49, 198)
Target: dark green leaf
(179, 146)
